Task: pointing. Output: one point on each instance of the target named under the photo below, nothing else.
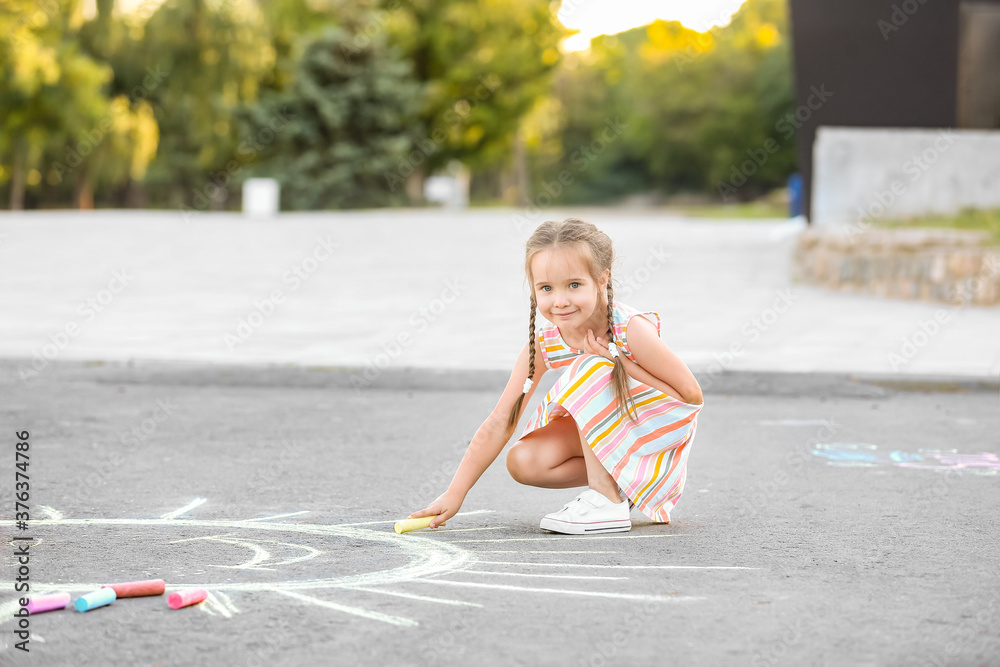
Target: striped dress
(648, 459)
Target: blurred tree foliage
(214, 57)
(57, 125)
(174, 104)
(343, 127)
(666, 109)
(484, 64)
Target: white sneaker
(589, 512)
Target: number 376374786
(22, 489)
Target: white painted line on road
(226, 601)
(53, 514)
(279, 516)
(619, 596)
(442, 531)
(259, 554)
(412, 596)
(428, 556)
(622, 567)
(542, 551)
(375, 523)
(187, 508)
(8, 608)
(525, 574)
(364, 613)
(567, 538)
(793, 422)
(312, 553)
(213, 602)
(204, 537)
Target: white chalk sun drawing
(430, 558)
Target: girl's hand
(445, 506)
(596, 345)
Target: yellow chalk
(406, 525)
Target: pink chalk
(186, 597)
(40, 603)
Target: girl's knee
(519, 462)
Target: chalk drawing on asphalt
(866, 455)
(273, 548)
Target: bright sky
(606, 17)
(590, 17)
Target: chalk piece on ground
(135, 589)
(40, 603)
(96, 599)
(406, 525)
(187, 597)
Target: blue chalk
(98, 598)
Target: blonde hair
(598, 255)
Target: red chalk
(186, 597)
(135, 589)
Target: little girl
(621, 418)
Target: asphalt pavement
(826, 520)
(247, 406)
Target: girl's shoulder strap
(623, 313)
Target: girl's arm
(658, 361)
(493, 435)
(488, 441)
(656, 364)
(637, 372)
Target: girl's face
(564, 291)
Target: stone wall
(955, 267)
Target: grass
(967, 218)
(755, 209)
(745, 211)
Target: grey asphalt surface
(844, 564)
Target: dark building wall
(876, 75)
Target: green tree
(293, 24)
(693, 104)
(484, 63)
(213, 58)
(50, 92)
(352, 113)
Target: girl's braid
(531, 338)
(619, 375)
(516, 412)
(611, 311)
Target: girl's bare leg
(598, 478)
(557, 456)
